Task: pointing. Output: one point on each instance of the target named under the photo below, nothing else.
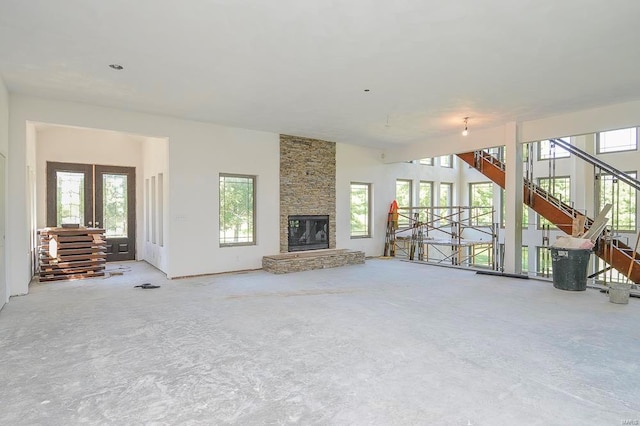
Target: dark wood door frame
(118, 249)
(52, 193)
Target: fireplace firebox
(308, 232)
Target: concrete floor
(386, 343)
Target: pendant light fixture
(465, 132)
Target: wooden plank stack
(71, 253)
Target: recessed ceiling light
(117, 67)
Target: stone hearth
(305, 261)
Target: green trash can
(570, 268)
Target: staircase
(613, 252)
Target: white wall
(4, 149)
(198, 153)
(155, 159)
(87, 146)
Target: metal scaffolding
(456, 235)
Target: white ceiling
(301, 66)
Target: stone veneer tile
(307, 182)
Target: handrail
(596, 162)
(566, 208)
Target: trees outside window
(360, 210)
(425, 198)
(445, 199)
(404, 198)
(623, 197)
(237, 210)
(481, 196)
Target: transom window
(446, 161)
(426, 161)
(617, 140)
(548, 150)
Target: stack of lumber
(71, 253)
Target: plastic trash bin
(570, 268)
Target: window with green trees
(445, 199)
(404, 198)
(425, 198)
(623, 198)
(237, 210)
(481, 196)
(360, 210)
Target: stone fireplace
(307, 190)
(308, 232)
(308, 209)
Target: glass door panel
(70, 197)
(114, 205)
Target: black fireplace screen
(308, 232)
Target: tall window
(445, 199)
(560, 188)
(525, 258)
(426, 198)
(237, 210)
(481, 195)
(623, 197)
(404, 198)
(426, 161)
(446, 161)
(403, 193)
(617, 140)
(360, 210)
(548, 150)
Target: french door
(97, 197)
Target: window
(425, 198)
(445, 199)
(543, 261)
(525, 258)
(617, 140)
(481, 195)
(560, 188)
(548, 150)
(426, 161)
(623, 198)
(481, 255)
(360, 210)
(446, 161)
(237, 210)
(405, 199)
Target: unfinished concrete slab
(388, 342)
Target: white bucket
(619, 293)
